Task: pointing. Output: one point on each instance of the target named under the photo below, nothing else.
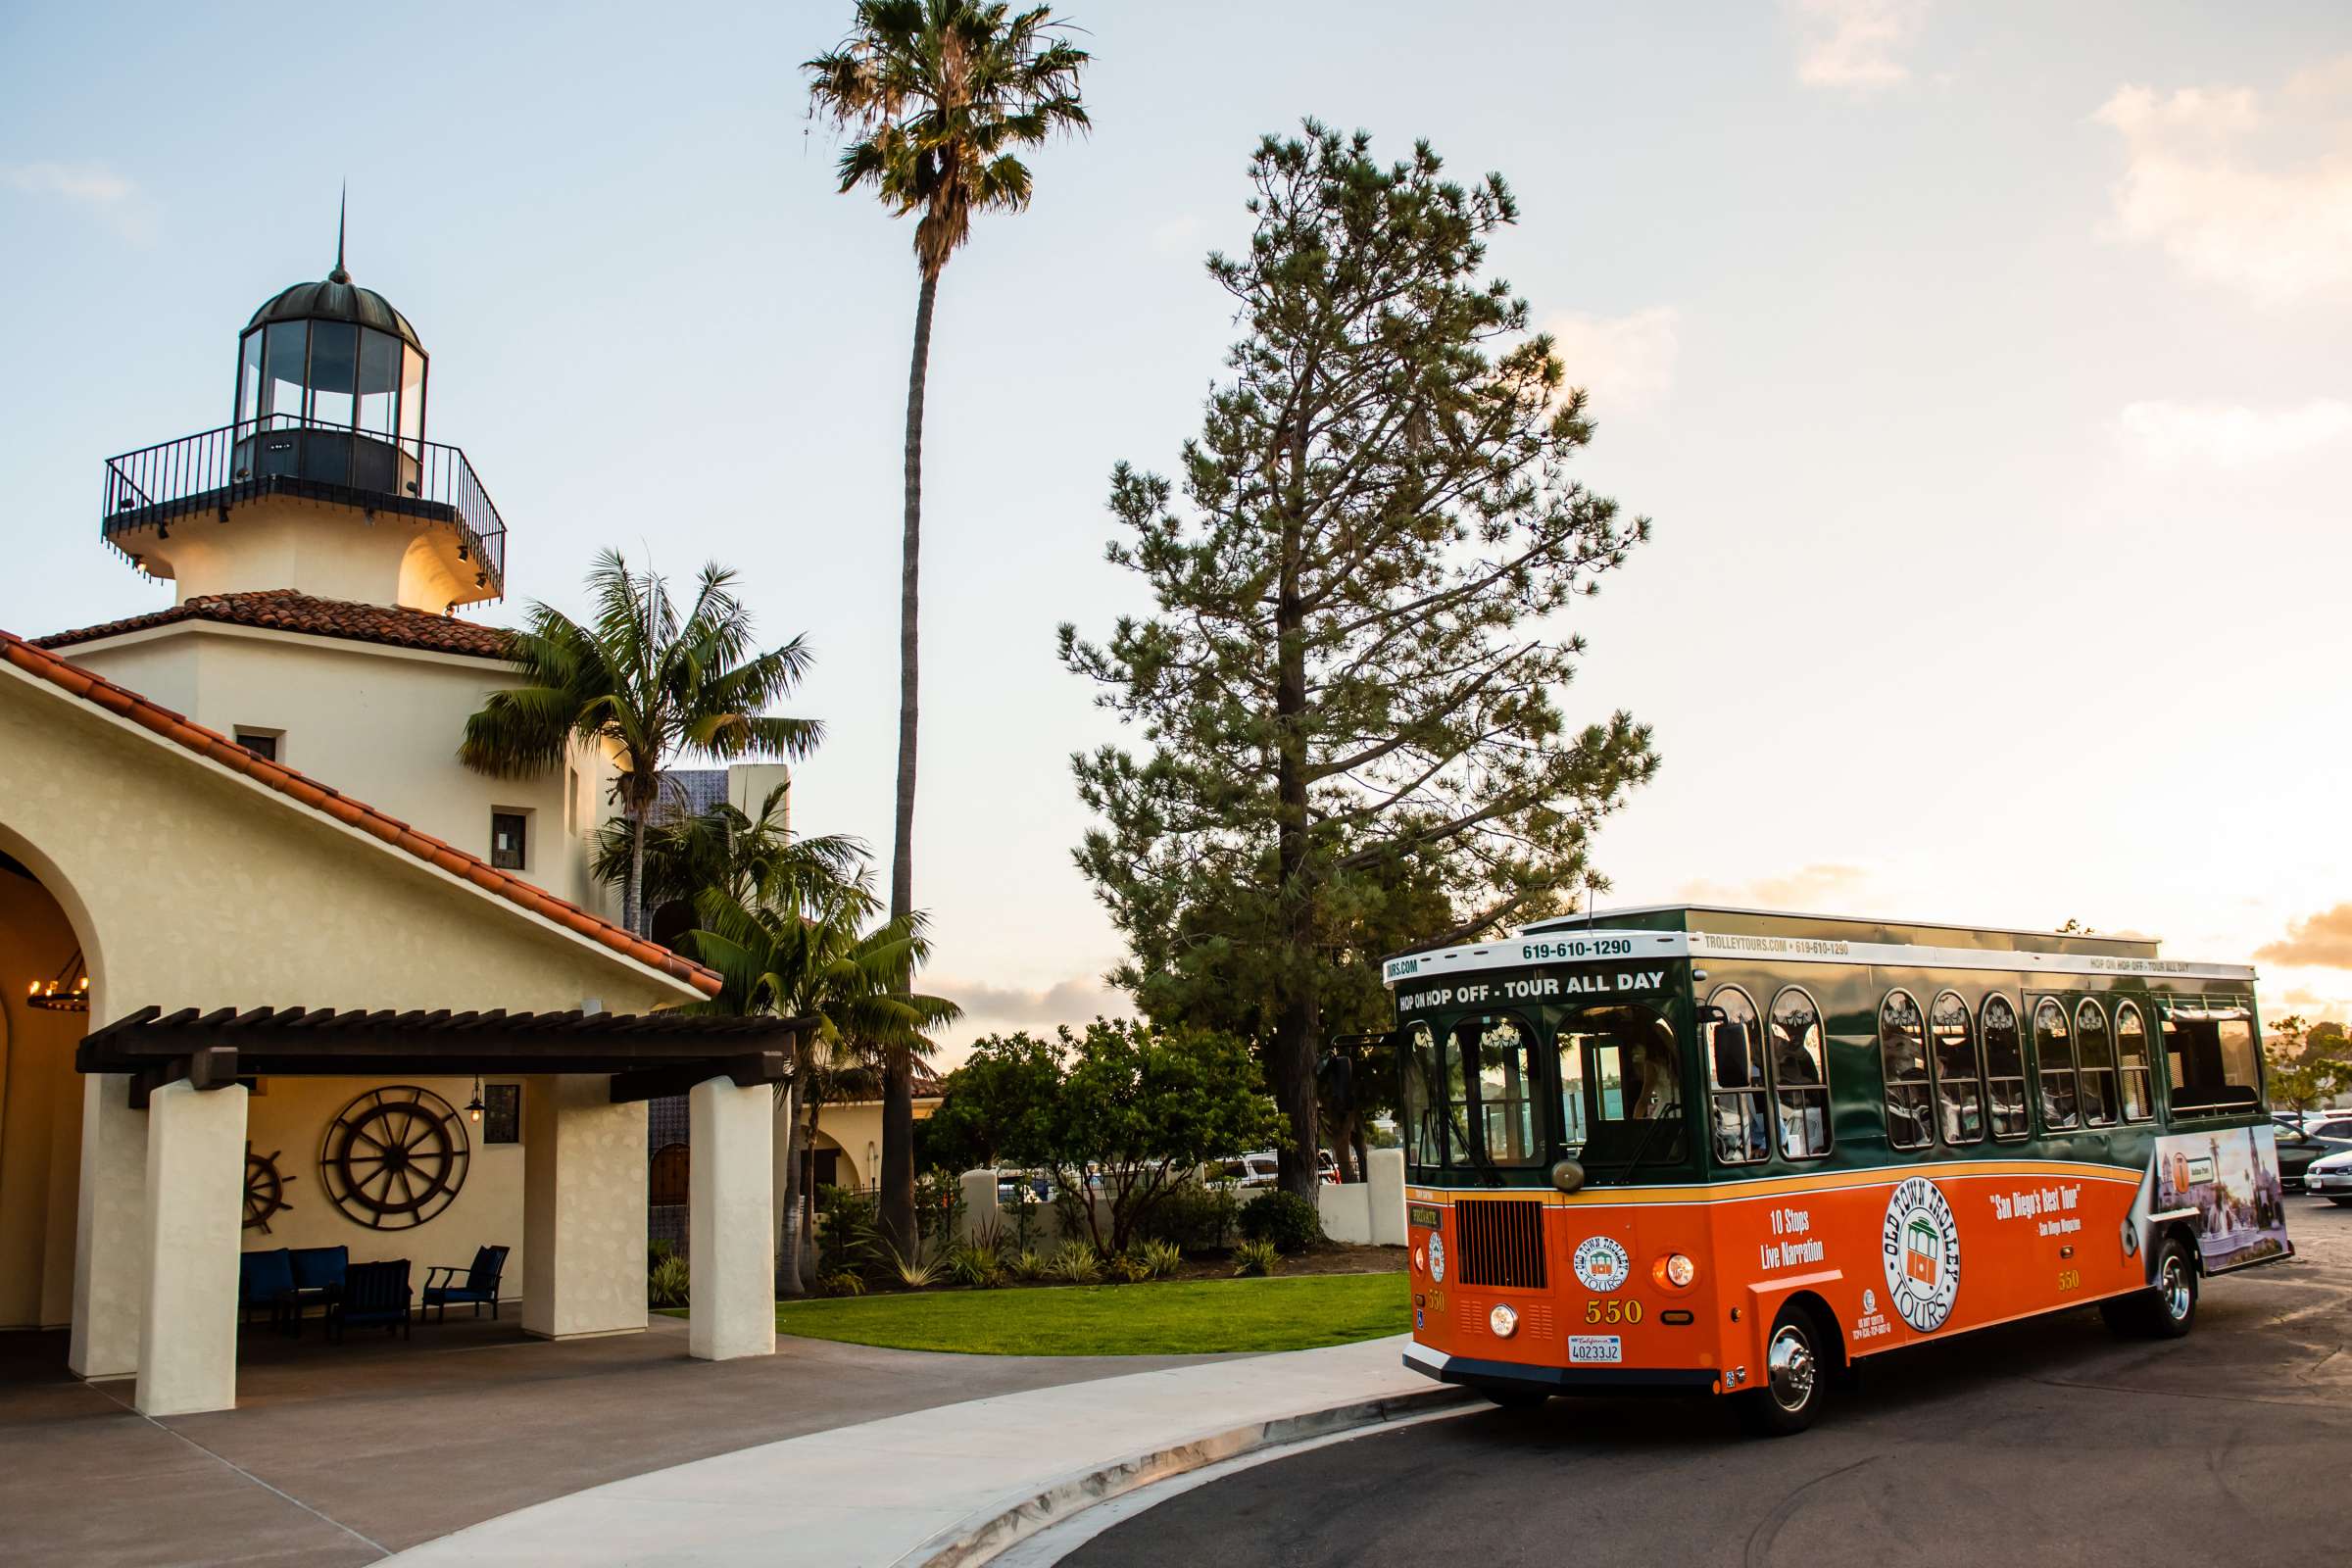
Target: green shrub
(1027, 1266)
(988, 1234)
(1075, 1263)
(849, 1233)
(1161, 1258)
(1194, 1218)
(916, 1272)
(1254, 1259)
(842, 1283)
(666, 1281)
(1286, 1219)
(1130, 1267)
(977, 1266)
(938, 1208)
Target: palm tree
(937, 96)
(751, 856)
(645, 683)
(804, 955)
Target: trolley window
(1959, 1092)
(2054, 1050)
(1424, 1099)
(2004, 1069)
(2131, 1063)
(1800, 1075)
(1903, 1054)
(2097, 1054)
(2216, 1069)
(1740, 1120)
(1498, 1059)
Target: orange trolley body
(1577, 1225)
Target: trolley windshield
(1491, 1094)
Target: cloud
(2322, 942)
(2249, 192)
(2170, 435)
(1177, 235)
(1626, 362)
(114, 198)
(1072, 1002)
(1853, 46)
(1814, 889)
(2313, 1006)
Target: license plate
(1595, 1348)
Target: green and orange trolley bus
(1734, 1151)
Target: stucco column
(583, 1220)
(731, 1245)
(109, 1253)
(1388, 1197)
(195, 1210)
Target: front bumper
(2327, 1181)
(1512, 1377)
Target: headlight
(1676, 1270)
(1420, 1259)
(1504, 1321)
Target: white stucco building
(275, 970)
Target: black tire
(1516, 1400)
(1793, 1383)
(2168, 1310)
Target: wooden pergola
(647, 1054)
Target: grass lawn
(1182, 1317)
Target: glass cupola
(330, 388)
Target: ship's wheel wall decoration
(395, 1158)
(265, 1189)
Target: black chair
(262, 1279)
(372, 1293)
(481, 1284)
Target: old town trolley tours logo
(1599, 1263)
(1921, 1245)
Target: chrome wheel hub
(2176, 1288)
(1789, 1368)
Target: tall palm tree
(805, 955)
(937, 96)
(647, 683)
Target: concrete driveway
(2040, 1442)
(345, 1453)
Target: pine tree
(1349, 688)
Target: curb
(980, 1537)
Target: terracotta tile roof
(100, 692)
(284, 609)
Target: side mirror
(1733, 1067)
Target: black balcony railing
(278, 455)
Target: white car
(2331, 1178)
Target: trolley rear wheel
(2168, 1309)
(1795, 1383)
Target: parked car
(2298, 1151)
(2331, 1177)
(1264, 1169)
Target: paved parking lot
(2041, 1442)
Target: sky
(1983, 369)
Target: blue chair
(372, 1293)
(263, 1280)
(481, 1284)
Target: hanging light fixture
(473, 1107)
(69, 992)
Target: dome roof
(337, 299)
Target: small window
(2054, 1050)
(261, 743)
(1740, 1118)
(2004, 1069)
(2132, 1062)
(1424, 1100)
(2214, 1065)
(508, 830)
(571, 800)
(1571, 1054)
(1799, 1075)
(1959, 1094)
(2097, 1055)
(1903, 1054)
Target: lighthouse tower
(324, 481)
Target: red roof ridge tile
(289, 609)
(298, 787)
